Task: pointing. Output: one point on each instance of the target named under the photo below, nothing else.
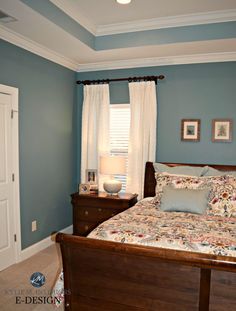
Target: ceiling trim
(75, 15)
(168, 22)
(159, 61)
(211, 17)
(36, 48)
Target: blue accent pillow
(180, 170)
(184, 200)
(211, 171)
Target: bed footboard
(108, 276)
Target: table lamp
(112, 165)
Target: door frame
(14, 93)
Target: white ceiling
(103, 12)
(38, 34)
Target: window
(119, 134)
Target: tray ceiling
(72, 33)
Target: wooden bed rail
(199, 260)
(104, 275)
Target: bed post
(149, 180)
(205, 287)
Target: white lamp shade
(110, 165)
(123, 1)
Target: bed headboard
(150, 181)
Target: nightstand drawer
(104, 202)
(84, 228)
(91, 210)
(94, 213)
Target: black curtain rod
(130, 79)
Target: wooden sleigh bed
(110, 276)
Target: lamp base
(112, 186)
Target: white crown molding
(36, 48)
(168, 22)
(159, 61)
(75, 15)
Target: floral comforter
(146, 224)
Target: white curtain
(142, 142)
(95, 126)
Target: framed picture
(93, 189)
(84, 188)
(190, 129)
(222, 130)
(91, 176)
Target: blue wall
(50, 126)
(47, 139)
(204, 91)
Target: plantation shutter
(119, 134)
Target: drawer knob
(86, 227)
(99, 209)
(86, 213)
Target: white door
(7, 247)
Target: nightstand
(89, 210)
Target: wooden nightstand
(89, 210)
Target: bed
(109, 275)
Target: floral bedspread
(146, 224)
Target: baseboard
(39, 246)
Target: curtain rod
(130, 79)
